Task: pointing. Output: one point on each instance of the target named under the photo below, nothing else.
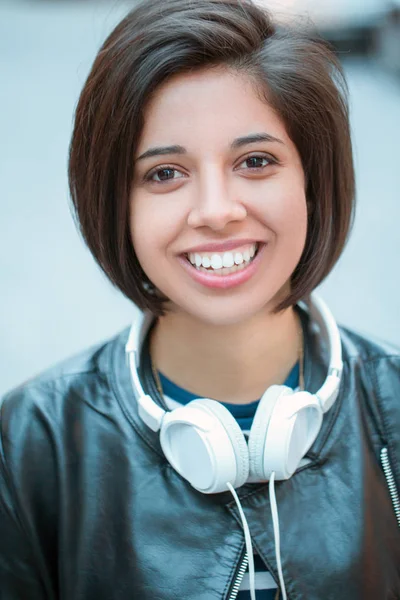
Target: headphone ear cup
(290, 424)
(259, 429)
(236, 437)
(205, 445)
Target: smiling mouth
(224, 263)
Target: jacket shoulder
(42, 435)
(93, 362)
(378, 364)
(40, 408)
(366, 347)
(378, 367)
(50, 410)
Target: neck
(230, 363)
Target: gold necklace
(301, 364)
(156, 376)
(301, 357)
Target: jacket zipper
(239, 578)
(387, 469)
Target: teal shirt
(243, 413)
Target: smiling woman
(286, 72)
(212, 178)
(231, 180)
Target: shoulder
(32, 414)
(46, 426)
(378, 360)
(365, 348)
(48, 421)
(376, 366)
(91, 365)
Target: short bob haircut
(299, 77)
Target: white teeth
(228, 260)
(223, 263)
(238, 258)
(224, 271)
(216, 261)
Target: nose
(215, 204)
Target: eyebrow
(237, 143)
(254, 138)
(161, 150)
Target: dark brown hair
(301, 79)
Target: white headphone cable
(249, 547)
(275, 522)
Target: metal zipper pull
(387, 469)
(239, 578)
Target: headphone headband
(152, 414)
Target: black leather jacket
(91, 510)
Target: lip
(224, 282)
(221, 246)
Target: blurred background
(54, 301)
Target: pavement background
(54, 301)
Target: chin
(220, 312)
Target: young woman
(234, 443)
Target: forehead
(215, 105)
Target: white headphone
(204, 443)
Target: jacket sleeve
(18, 576)
(21, 567)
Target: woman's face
(218, 208)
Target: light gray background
(54, 301)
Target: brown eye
(255, 162)
(164, 174)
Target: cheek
(285, 209)
(153, 225)
(291, 216)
